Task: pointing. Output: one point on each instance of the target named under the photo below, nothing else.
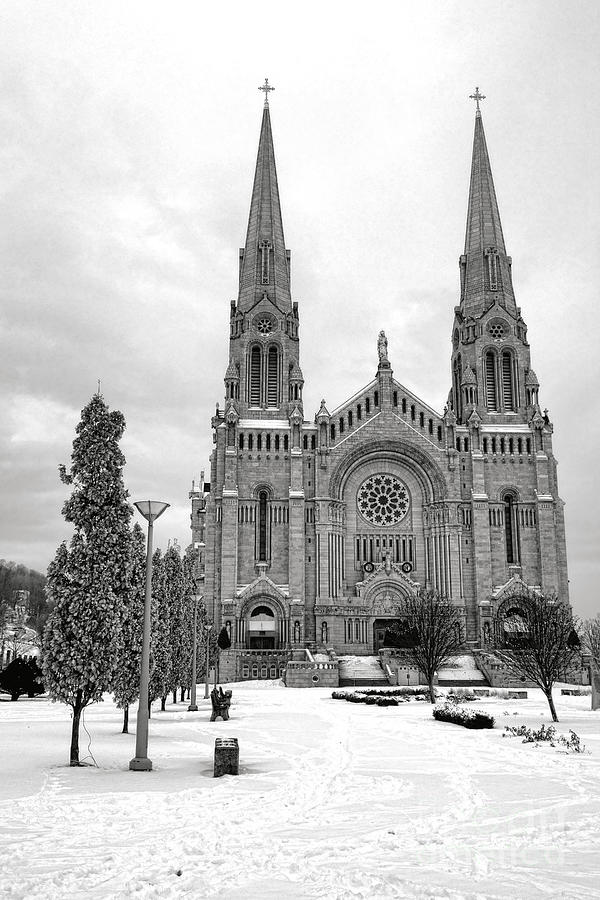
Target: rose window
(497, 329)
(383, 499)
(264, 325)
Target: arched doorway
(515, 628)
(393, 633)
(261, 628)
(383, 633)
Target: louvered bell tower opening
(490, 382)
(273, 377)
(508, 392)
(255, 367)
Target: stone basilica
(311, 532)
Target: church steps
(361, 671)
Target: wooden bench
(221, 701)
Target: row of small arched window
(276, 442)
(349, 419)
(500, 445)
(263, 441)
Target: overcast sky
(128, 136)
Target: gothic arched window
(262, 525)
(491, 384)
(273, 376)
(254, 380)
(511, 528)
(508, 381)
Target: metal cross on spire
(477, 97)
(266, 87)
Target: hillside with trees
(17, 577)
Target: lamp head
(151, 509)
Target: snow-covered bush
(531, 735)
(546, 734)
(369, 699)
(405, 691)
(461, 695)
(386, 701)
(458, 715)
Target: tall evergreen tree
(126, 682)
(175, 597)
(89, 579)
(190, 587)
(160, 642)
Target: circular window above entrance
(383, 500)
(498, 329)
(264, 324)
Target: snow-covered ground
(334, 800)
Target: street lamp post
(150, 510)
(208, 629)
(193, 707)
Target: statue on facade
(382, 347)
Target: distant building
(312, 531)
(16, 637)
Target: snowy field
(334, 800)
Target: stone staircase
(361, 671)
(462, 671)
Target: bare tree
(591, 640)
(591, 644)
(431, 631)
(537, 639)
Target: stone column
(547, 542)
(229, 548)
(481, 552)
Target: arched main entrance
(382, 633)
(261, 628)
(393, 632)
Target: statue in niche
(382, 347)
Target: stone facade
(312, 532)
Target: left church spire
(264, 261)
(263, 379)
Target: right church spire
(491, 373)
(485, 266)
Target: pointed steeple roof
(487, 276)
(483, 217)
(265, 261)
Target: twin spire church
(315, 526)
